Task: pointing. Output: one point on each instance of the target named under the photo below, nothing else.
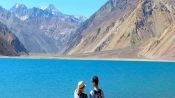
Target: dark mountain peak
(1, 9)
(119, 4)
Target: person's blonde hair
(79, 90)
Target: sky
(72, 7)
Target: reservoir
(55, 78)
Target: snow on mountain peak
(43, 7)
(18, 5)
(51, 8)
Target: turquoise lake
(46, 78)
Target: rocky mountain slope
(9, 43)
(144, 26)
(41, 30)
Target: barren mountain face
(144, 25)
(9, 43)
(100, 23)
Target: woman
(79, 92)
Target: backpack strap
(99, 91)
(96, 92)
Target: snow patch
(17, 5)
(80, 17)
(22, 18)
(43, 7)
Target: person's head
(95, 81)
(80, 87)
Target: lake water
(42, 78)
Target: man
(97, 92)
(79, 92)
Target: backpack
(82, 95)
(98, 94)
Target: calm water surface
(28, 78)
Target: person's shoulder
(102, 93)
(75, 94)
(101, 90)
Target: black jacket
(82, 95)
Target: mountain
(9, 43)
(128, 28)
(41, 30)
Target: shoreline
(85, 58)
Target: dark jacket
(82, 95)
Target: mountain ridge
(9, 43)
(41, 31)
(145, 25)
